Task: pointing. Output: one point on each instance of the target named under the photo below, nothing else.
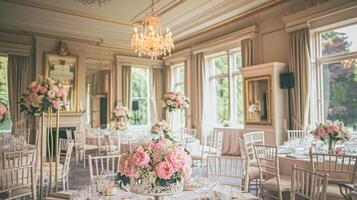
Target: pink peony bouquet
(160, 160)
(174, 101)
(160, 127)
(4, 113)
(331, 131)
(120, 118)
(42, 95)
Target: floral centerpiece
(156, 168)
(42, 95)
(120, 118)
(174, 101)
(330, 133)
(4, 113)
(160, 127)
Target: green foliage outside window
(139, 93)
(4, 97)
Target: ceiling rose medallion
(148, 38)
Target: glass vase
(331, 146)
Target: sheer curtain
(157, 91)
(126, 85)
(299, 64)
(198, 82)
(20, 75)
(247, 52)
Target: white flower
(51, 94)
(55, 88)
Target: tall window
(4, 95)
(178, 85)
(337, 72)
(139, 96)
(226, 87)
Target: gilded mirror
(64, 68)
(258, 100)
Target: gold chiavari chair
(82, 147)
(296, 134)
(23, 133)
(227, 170)
(342, 171)
(270, 179)
(18, 158)
(308, 184)
(249, 140)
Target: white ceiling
(112, 22)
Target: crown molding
(226, 40)
(179, 56)
(304, 18)
(130, 60)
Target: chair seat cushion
(271, 184)
(333, 192)
(253, 173)
(20, 192)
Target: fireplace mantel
(67, 119)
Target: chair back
(63, 144)
(97, 164)
(216, 144)
(243, 150)
(16, 178)
(79, 138)
(250, 139)
(18, 158)
(268, 162)
(20, 124)
(308, 184)
(23, 133)
(296, 134)
(109, 144)
(67, 159)
(340, 168)
(189, 135)
(227, 170)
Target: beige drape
(157, 91)
(167, 78)
(197, 71)
(247, 52)
(299, 64)
(126, 85)
(20, 75)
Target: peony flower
(177, 158)
(164, 170)
(140, 158)
(126, 166)
(3, 109)
(33, 97)
(57, 104)
(43, 90)
(159, 145)
(51, 94)
(59, 94)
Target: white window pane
(238, 87)
(4, 95)
(237, 61)
(219, 64)
(340, 92)
(222, 100)
(139, 95)
(338, 41)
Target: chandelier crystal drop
(149, 39)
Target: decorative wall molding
(317, 13)
(227, 40)
(179, 56)
(130, 60)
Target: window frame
(1, 94)
(317, 61)
(174, 82)
(147, 98)
(230, 75)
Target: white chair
(252, 170)
(270, 178)
(82, 147)
(249, 140)
(189, 135)
(308, 184)
(98, 164)
(342, 171)
(296, 134)
(112, 149)
(63, 143)
(227, 170)
(18, 182)
(69, 134)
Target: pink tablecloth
(230, 144)
(124, 145)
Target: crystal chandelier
(90, 2)
(150, 39)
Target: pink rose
(117, 125)
(320, 132)
(334, 127)
(140, 158)
(159, 145)
(164, 170)
(126, 167)
(33, 97)
(36, 88)
(43, 90)
(59, 94)
(155, 129)
(57, 104)
(177, 158)
(2, 109)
